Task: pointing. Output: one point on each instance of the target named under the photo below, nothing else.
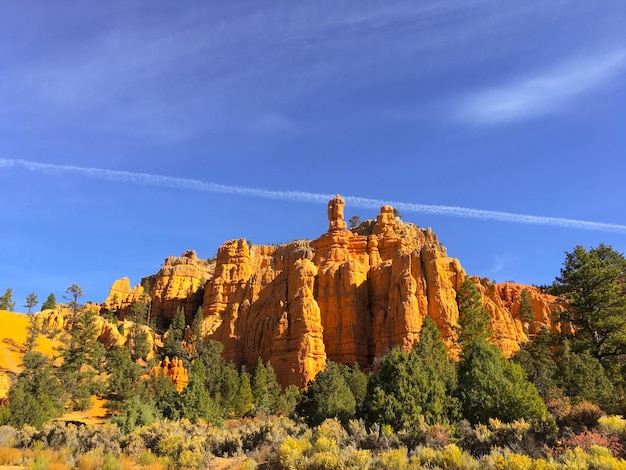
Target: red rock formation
(544, 306)
(174, 370)
(349, 296)
(179, 283)
(121, 295)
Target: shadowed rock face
(348, 296)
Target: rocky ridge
(347, 296)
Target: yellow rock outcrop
(121, 295)
(173, 369)
(348, 296)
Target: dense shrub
(590, 438)
(7, 436)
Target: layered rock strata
(173, 369)
(179, 284)
(348, 296)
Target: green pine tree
(37, 395)
(474, 321)
(50, 302)
(526, 306)
(492, 387)
(265, 387)
(582, 377)
(6, 300)
(244, 400)
(82, 357)
(536, 360)
(31, 301)
(196, 402)
(592, 285)
(410, 386)
(172, 346)
(327, 396)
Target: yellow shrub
(601, 458)
(332, 429)
(324, 461)
(248, 464)
(170, 446)
(326, 444)
(598, 458)
(427, 455)
(613, 423)
(359, 459)
(453, 457)
(10, 456)
(541, 464)
(507, 461)
(395, 459)
(189, 458)
(291, 453)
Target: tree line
(583, 363)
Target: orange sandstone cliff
(347, 296)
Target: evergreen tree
(526, 306)
(243, 402)
(31, 301)
(592, 285)
(408, 386)
(489, 386)
(211, 356)
(492, 387)
(138, 312)
(50, 303)
(138, 341)
(36, 397)
(229, 384)
(162, 392)
(82, 358)
(196, 403)
(32, 335)
(136, 412)
(172, 346)
(196, 326)
(357, 382)
(537, 361)
(6, 300)
(265, 387)
(327, 396)
(288, 400)
(74, 292)
(474, 321)
(582, 377)
(354, 221)
(123, 376)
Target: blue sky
(516, 108)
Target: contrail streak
(147, 179)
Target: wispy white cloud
(499, 264)
(543, 93)
(147, 179)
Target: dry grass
(96, 414)
(10, 456)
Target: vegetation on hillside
(553, 405)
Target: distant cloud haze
(540, 94)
